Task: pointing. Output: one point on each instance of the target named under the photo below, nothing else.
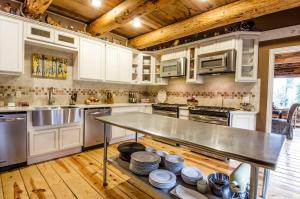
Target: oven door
(165, 113)
(210, 119)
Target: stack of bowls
(191, 175)
(217, 181)
(174, 163)
(127, 148)
(162, 179)
(142, 163)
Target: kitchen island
(260, 150)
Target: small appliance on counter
(132, 97)
(109, 98)
(73, 98)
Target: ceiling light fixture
(96, 3)
(136, 22)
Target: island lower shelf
(161, 193)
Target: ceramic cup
(202, 186)
(151, 149)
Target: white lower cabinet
(243, 120)
(117, 132)
(54, 140)
(43, 141)
(70, 137)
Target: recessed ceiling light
(136, 22)
(96, 3)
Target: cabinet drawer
(70, 137)
(42, 142)
(66, 39)
(41, 33)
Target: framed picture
(46, 66)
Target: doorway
(283, 83)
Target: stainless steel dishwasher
(94, 129)
(13, 140)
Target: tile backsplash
(219, 90)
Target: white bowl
(202, 186)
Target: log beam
(35, 8)
(222, 16)
(124, 13)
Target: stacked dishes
(174, 163)
(191, 175)
(127, 148)
(163, 155)
(142, 163)
(162, 179)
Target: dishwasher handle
(100, 113)
(12, 119)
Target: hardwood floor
(80, 175)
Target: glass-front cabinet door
(247, 59)
(191, 74)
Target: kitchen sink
(55, 115)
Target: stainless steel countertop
(253, 147)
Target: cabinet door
(225, 44)
(11, 45)
(66, 39)
(92, 60)
(243, 121)
(70, 137)
(207, 47)
(112, 68)
(125, 63)
(42, 142)
(117, 132)
(40, 33)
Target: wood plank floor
(80, 175)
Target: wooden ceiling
(162, 20)
(287, 65)
(178, 10)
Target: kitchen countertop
(31, 108)
(236, 111)
(258, 148)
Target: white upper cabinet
(174, 54)
(217, 45)
(35, 32)
(118, 64)
(247, 59)
(91, 60)
(11, 46)
(125, 58)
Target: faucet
(51, 99)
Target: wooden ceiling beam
(222, 16)
(123, 13)
(35, 8)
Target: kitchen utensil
(127, 148)
(216, 181)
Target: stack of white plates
(174, 163)
(191, 175)
(142, 162)
(162, 179)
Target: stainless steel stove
(211, 114)
(171, 110)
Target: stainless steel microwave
(217, 62)
(173, 68)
